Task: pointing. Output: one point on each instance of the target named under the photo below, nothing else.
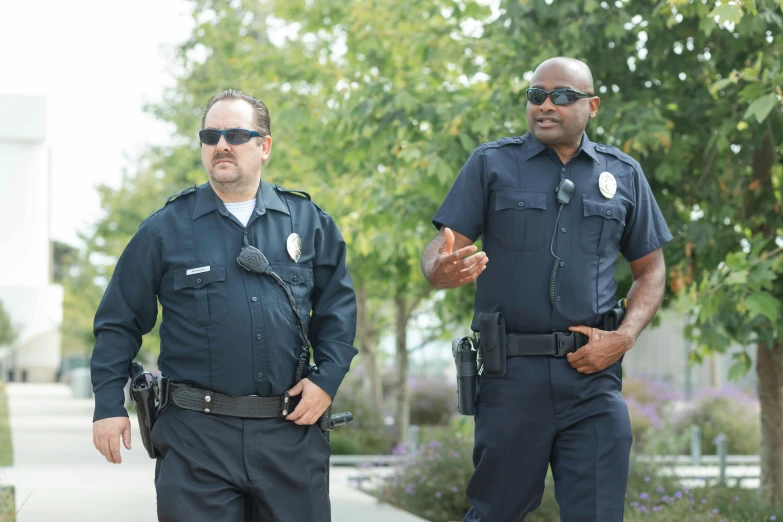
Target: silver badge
(294, 246)
(607, 184)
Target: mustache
(220, 157)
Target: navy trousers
(214, 467)
(542, 413)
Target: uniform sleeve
(645, 229)
(127, 311)
(464, 208)
(333, 319)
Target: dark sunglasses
(538, 96)
(233, 136)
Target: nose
(222, 144)
(547, 106)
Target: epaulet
(510, 140)
(300, 193)
(614, 151)
(189, 190)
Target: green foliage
(728, 411)
(367, 434)
(8, 331)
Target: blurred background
(375, 106)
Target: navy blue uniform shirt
(507, 194)
(224, 328)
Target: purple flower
(659, 490)
(715, 510)
(409, 489)
(647, 479)
(773, 517)
(437, 494)
(642, 509)
(657, 508)
(736, 499)
(634, 504)
(435, 444)
(665, 498)
(678, 494)
(454, 489)
(644, 496)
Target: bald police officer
(554, 210)
(231, 447)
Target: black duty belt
(557, 344)
(211, 402)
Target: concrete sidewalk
(59, 476)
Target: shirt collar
(266, 198)
(535, 147)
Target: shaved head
(561, 127)
(578, 70)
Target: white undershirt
(242, 210)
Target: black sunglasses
(233, 136)
(538, 96)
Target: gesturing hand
(603, 349)
(452, 269)
(312, 405)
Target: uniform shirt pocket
(299, 280)
(204, 295)
(602, 226)
(519, 219)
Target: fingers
(106, 451)
(126, 437)
(463, 254)
(300, 410)
(296, 390)
(448, 235)
(114, 446)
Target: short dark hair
(262, 113)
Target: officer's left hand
(602, 350)
(313, 404)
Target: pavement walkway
(59, 476)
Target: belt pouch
(492, 342)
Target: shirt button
(558, 298)
(296, 278)
(521, 203)
(608, 212)
(245, 232)
(255, 299)
(258, 337)
(198, 280)
(563, 170)
(260, 374)
(563, 230)
(562, 263)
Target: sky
(97, 63)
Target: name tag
(197, 270)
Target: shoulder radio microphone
(564, 191)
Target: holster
(614, 317)
(465, 358)
(492, 344)
(143, 393)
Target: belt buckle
(564, 343)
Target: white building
(26, 289)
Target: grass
(7, 508)
(6, 451)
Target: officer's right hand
(450, 268)
(106, 435)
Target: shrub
(432, 482)
(367, 434)
(727, 410)
(433, 401)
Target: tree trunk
(371, 381)
(769, 367)
(402, 414)
(769, 363)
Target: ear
(594, 103)
(266, 149)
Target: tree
(8, 332)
